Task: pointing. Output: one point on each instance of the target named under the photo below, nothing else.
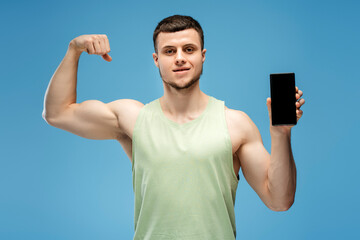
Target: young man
(186, 147)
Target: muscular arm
(61, 91)
(273, 177)
(282, 171)
(90, 119)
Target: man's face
(179, 58)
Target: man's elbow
(282, 208)
(47, 119)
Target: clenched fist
(93, 44)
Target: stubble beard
(178, 87)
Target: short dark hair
(177, 23)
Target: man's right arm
(91, 119)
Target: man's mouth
(181, 69)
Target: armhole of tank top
(228, 143)
(134, 136)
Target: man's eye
(170, 51)
(189, 50)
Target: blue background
(57, 185)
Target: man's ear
(155, 57)
(203, 55)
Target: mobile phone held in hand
(283, 99)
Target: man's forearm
(282, 171)
(61, 91)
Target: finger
(107, 57)
(102, 46)
(107, 44)
(89, 47)
(106, 48)
(97, 46)
(268, 103)
(299, 92)
(299, 95)
(300, 103)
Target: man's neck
(183, 104)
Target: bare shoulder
(241, 127)
(127, 111)
(238, 119)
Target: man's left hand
(286, 128)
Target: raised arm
(91, 119)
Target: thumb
(107, 57)
(268, 104)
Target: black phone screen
(283, 99)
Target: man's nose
(180, 59)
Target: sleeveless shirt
(183, 177)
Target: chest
(235, 134)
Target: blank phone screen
(283, 108)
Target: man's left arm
(273, 176)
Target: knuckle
(87, 41)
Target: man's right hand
(93, 44)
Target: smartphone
(283, 99)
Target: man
(186, 147)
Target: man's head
(177, 23)
(179, 51)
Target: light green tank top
(183, 177)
